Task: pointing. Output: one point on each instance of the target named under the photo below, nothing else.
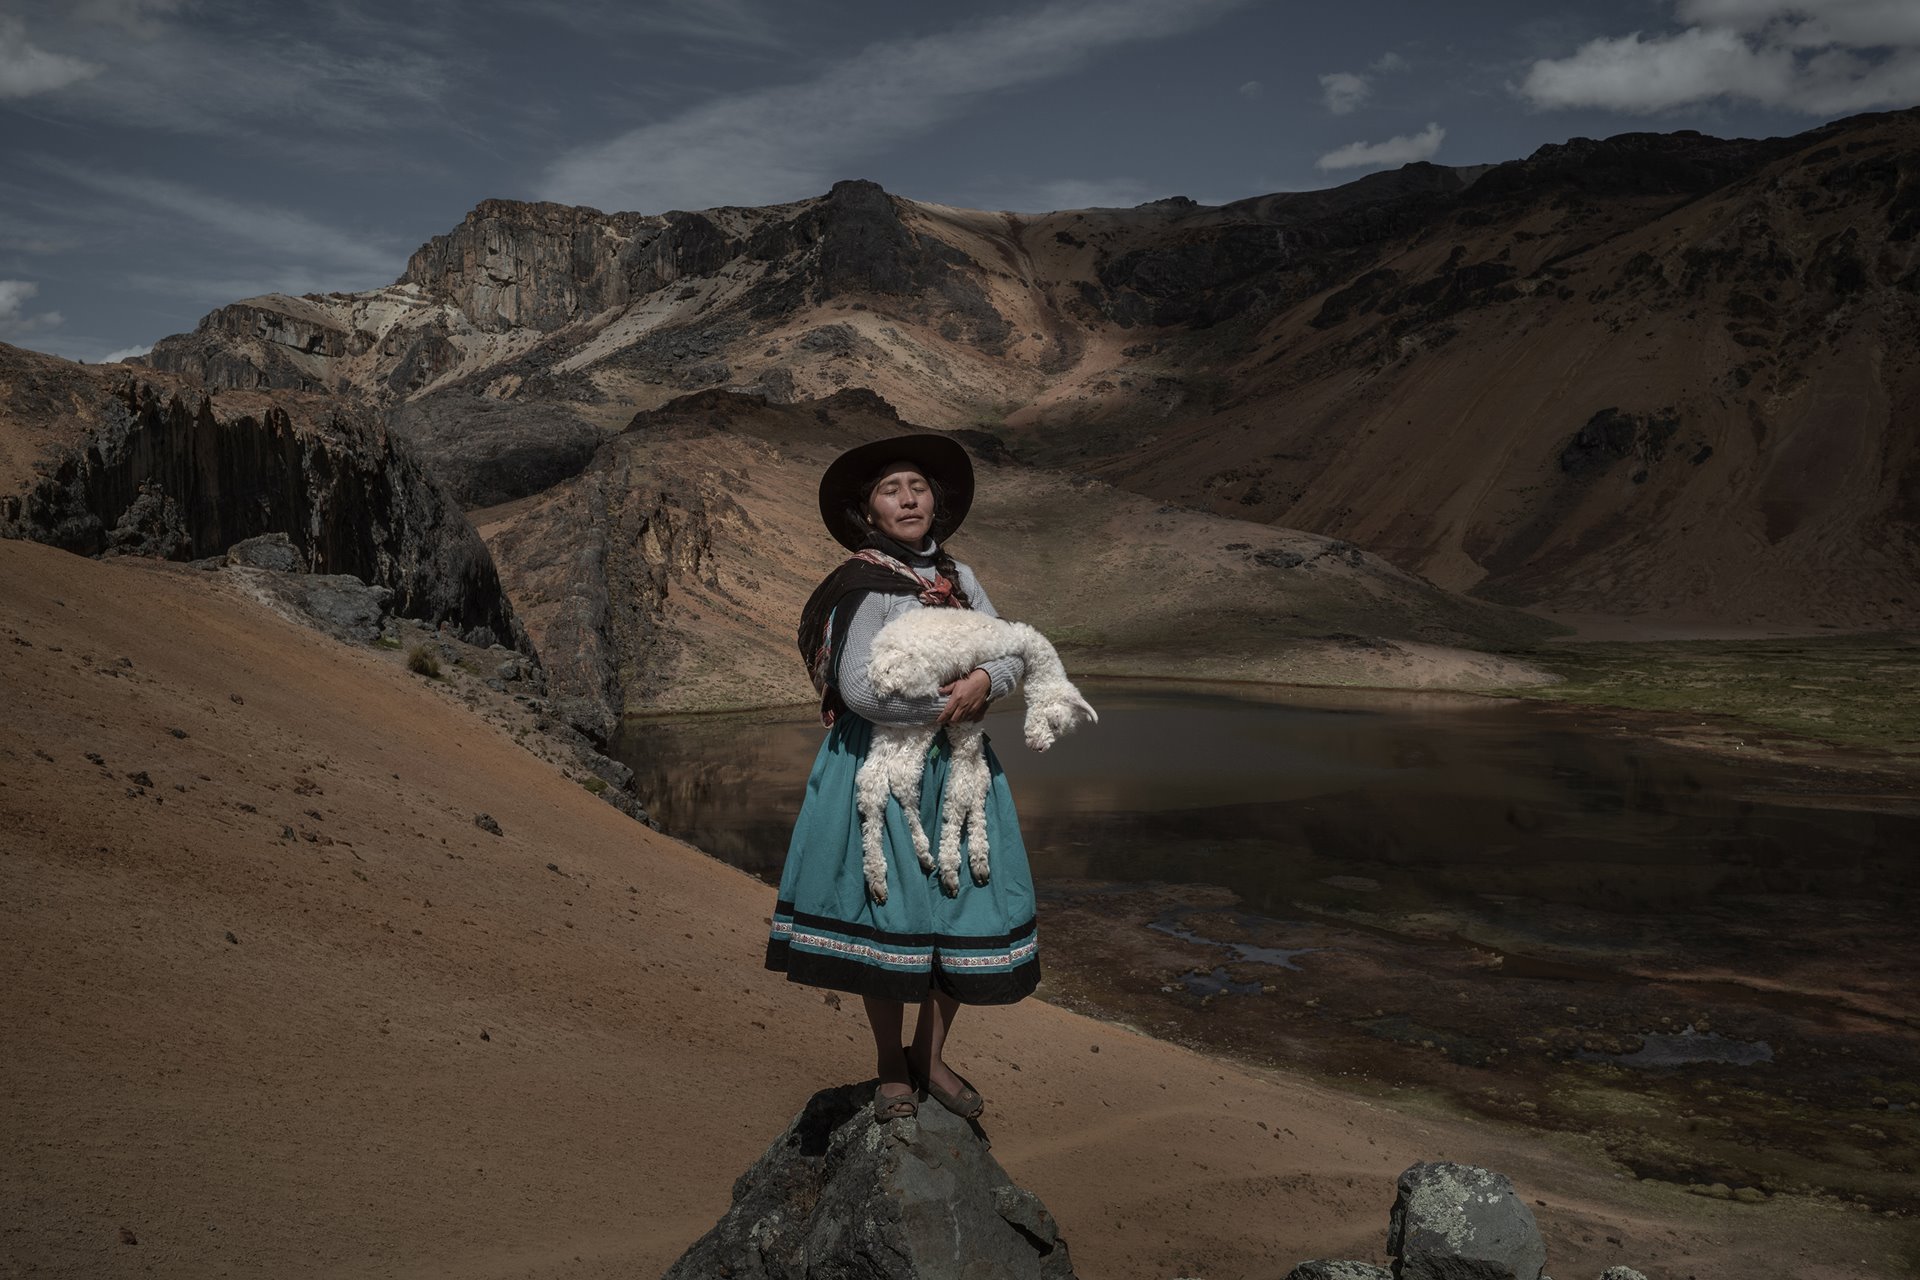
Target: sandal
(894, 1106)
(967, 1104)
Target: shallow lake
(1488, 897)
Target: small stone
(554, 867)
(230, 938)
(127, 1236)
(125, 662)
(485, 1036)
(236, 699)
(140, 778)
(96, 758)
(178, 733)
(1093, 1048)
(1621, 1273)
(485, 822)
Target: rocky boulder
(837, 1195)
(1459, 1222)
(1327, 1269)
(268, 551)
(337, 603)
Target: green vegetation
(1854, 691)
(422, 661)
(595, 785)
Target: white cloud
(14, 320)
(124, 353)
(791, 141)
(1052, 194)
(159, 64)
(1404, 149)
(1251, 89)
(27, 69)
(721, 22)
(1837, 57)
(291, 239)
(14, 295)
(1342, 91)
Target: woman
(894, 503)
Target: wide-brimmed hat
(939, 458)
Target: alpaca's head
(1050, 717)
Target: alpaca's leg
(963, 813)
(977, 849)
(870, 788)
(906, 771)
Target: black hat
(940, 459)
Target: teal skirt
(979, 946)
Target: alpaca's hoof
(878, 893)
(980, 879)
(950, 885)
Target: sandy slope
(394, 1044)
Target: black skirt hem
(838, 973)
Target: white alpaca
(913, 656)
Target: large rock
(838, 1196)
(337, 603)
(1330, 1269)
(1460, 1222)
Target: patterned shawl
(874, 567)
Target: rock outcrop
(112, 461)
(1460, 1222)
(837, 1195)
(1454, 1222)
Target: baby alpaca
(914, 655)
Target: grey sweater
(856, 649)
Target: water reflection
(1498, 900)
(1332, 796)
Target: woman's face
(901, 504)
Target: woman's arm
(1004, 673)
(854, 651)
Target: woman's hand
(967, 697)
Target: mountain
(1664, 376)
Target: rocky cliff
(114, 460)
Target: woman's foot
(896, 1096)
(894, 1102)
(950, 1089)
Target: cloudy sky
(161, 157)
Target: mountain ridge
(1294, 358)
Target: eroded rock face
(1460, 1222)
(140, 465)
(513, 264)
(838, 1195)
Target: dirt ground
(277, 1005)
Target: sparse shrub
(423, 661)
(595, 785)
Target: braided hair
(943, 562)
